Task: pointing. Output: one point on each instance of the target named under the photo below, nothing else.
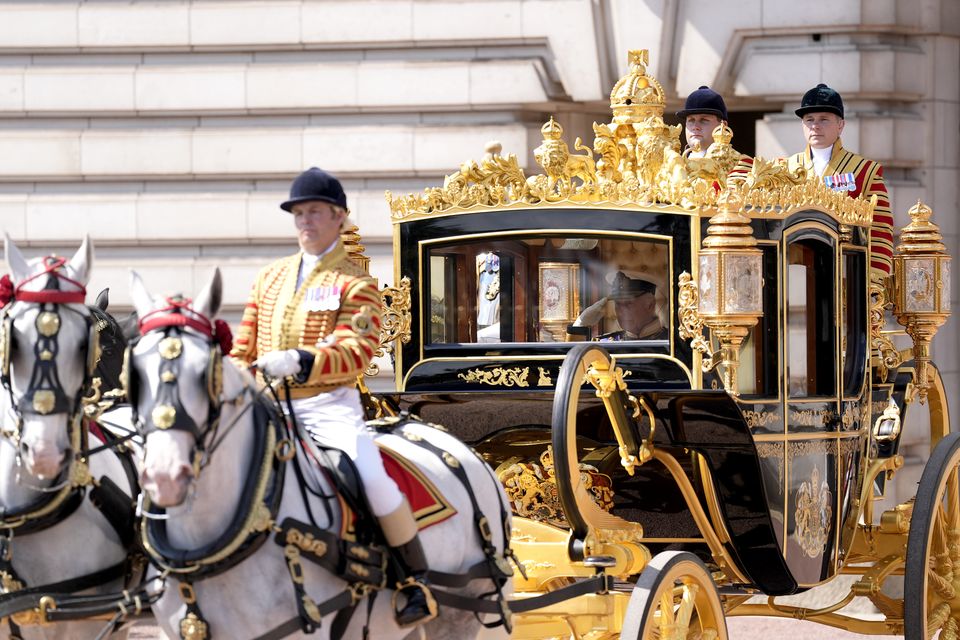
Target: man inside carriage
(635, 304)
(313, 318)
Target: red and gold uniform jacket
(334, 315)
(867, 181)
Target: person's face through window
(318, 224)
(822, 129)
(699, 129)
(635, 313)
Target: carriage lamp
(921, 275)
(730, 284)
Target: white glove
(279, 364)
(592, 315)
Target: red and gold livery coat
(334, 315)
(868, 181)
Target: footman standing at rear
(821, 114)
(314, 318)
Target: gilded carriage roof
(635, 160)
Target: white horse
(48, 352)
(198, 473)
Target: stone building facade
(169, 129)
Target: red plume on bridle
(223, 335)
(6, 290)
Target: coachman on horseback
(313, 318)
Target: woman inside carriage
(313, 318)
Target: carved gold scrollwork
(887, 355)
(691, 324)
(635, 158)
(532, 488)
(813, 514)
(394, 322)
(498, 376)
(761, 418)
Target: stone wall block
(401, 83)
(446, 20)
(68, 218)
(907, 78)
(188, 88)
(777, 13)
(703, 33)
(877, 72)
(63, 89)
(506, 81)
(360, 150)
(122, 153)
(877, 137)
(13, 215)
(33, 24)
(943, 196)
(39, 153)
(573, 39)
(946, 61)
(338, 21)
(264, 218)
(442, 148)
(135, 24)
(284, 86)
(197, 217)
(230, 23)
(372, 216)
(253, 151)
(778, 135)
(11, 89)
(879, 12)
(763, 73)
(945, 116)
(904, 195)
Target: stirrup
(406, 586)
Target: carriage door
(812, 381)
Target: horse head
(175, 376)
(48, 349)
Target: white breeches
(335, 419)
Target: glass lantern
(921, 270)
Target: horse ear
(142, 300)
(208, 300)
(82, 260)
(103, 299)
(19, 268)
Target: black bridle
(44, 393)
(168, 412)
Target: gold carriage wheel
(932, 578)
(674, 599)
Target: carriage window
(853, 329)
(548, 289)
(758, 372)
(811, 325)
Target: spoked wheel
(675, 599)
(932, 579)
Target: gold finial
(723, 134)
(636, 96)
(920, 235)
(551, 130)
(730, 228)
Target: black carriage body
(783, 458)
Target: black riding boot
(420, 606)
